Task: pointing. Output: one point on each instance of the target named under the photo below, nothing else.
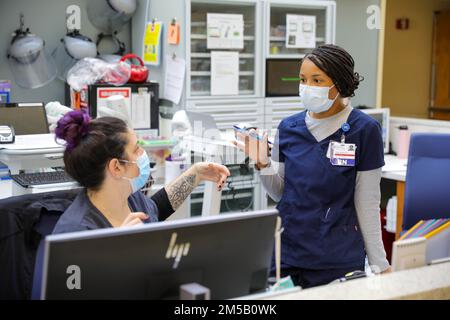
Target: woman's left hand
(388, 270)
(209, 171)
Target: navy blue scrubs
(83, 215)
(322, 240)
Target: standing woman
(325, 172)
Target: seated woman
(103, 156)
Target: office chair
(44, 227)
(24, 222)
(427, 179)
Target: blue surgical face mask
(315, 99)
(143, 163)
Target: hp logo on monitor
(177, 251)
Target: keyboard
(27, 180)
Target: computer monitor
(409, 253)
(26, 118)
(282, 77)
(382, 115)
(229, 254)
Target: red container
(139, 74)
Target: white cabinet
(198, 56)
(264, 38)
(274, 43)
(227, 112)
(276, 109)
(275, 26)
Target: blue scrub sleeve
(370, 152)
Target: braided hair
(339, 65)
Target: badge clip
(345, 128)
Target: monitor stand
(194, 291)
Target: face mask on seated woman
(143, 163)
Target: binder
(438, 246)
(407, 233)
(427, 228)
(416, 232)
(437, 230)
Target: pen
(252, 134)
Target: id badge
(342, 154)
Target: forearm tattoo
(180, 189)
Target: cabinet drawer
(229, 112)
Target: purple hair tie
(72, 128)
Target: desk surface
(394, 168)
(42, 151)
(429, 282)
(32, 151)
(5, 188)
(31, 142)
(46, 143)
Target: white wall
(353, 35)
(408, 55)
(45, 18)
(164, 11)
(416, 126)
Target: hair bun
(72, 127)
(357, 78)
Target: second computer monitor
(26, 118)
(382, 115)
(229, 254)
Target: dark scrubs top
(317, 207)
(83, 215)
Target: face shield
(110, 15)
(30, 63)
(72, 48)
(110, 48)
